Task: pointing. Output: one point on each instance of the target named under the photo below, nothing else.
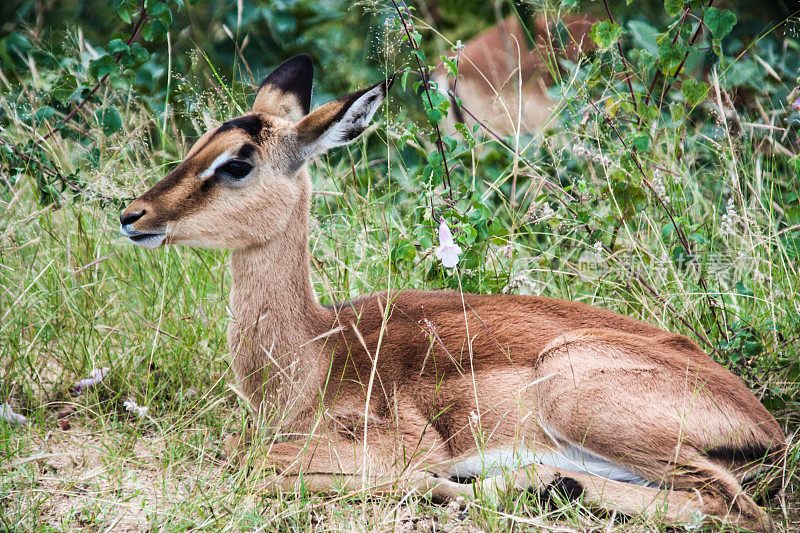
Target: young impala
(503, 80)
(425, 389)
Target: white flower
(658, 186)
(130, 405)
(546, 212)
(730, 219)
(598, 251)
(522, 284)
(587, 153)
(447, 251)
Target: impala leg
(334, 465)
(671, 506)
(649, 419)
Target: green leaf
(156, 8)
(720, 22)
(154, 30)
(109, 119)
(673, 7)
(124, 11)
(450, 63)
(464, 131)
(434, 116)
(44, 113)
(648, 112)
(102, 66)
(605, 34)
(641, 142)
(699, 238)
(694, 91)
(743, 289)
(671, 56)
(752, 348)
(403, 250)
(62, 91)
(116, 46)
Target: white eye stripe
(218, 162)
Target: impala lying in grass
(396, 388)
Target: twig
(685, 57)
(423, 72)
(50, 171)
(137, 28)
(54, 172)
(678, 230)
(628, 72)
(591, 231)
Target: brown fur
(396, 387)
(502, 79)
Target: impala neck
(274, 315)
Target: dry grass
(74, 297)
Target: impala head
(241, 183)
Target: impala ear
(340, 121)
(286, 92)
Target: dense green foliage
(665, 187)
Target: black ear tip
(295, 67)
(295, 76)
(300, 60)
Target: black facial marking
(352, 134)
(246, 151)
(234, 169)
(252, 125)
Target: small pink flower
(796, 103)
(447, 251)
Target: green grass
(76, 297)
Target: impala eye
(235, 169)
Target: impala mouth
(145, 239)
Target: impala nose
(130, 218)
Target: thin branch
(424, 74)
(591, 231)
(137, 28)
(55, 173)
(628, 72)
(685, 57)
(50, 171)
(678, 230)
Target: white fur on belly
(569, 457)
